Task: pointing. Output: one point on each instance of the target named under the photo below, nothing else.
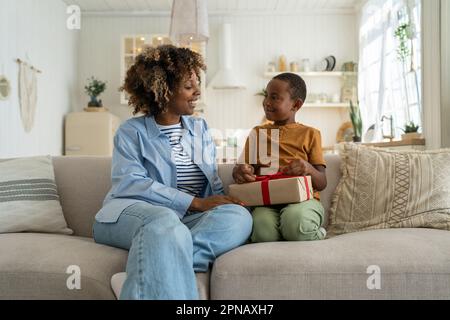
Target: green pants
(293, 222)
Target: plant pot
(411, 136)
(94, 102)
(356, 139)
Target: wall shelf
(314, 74)
(336, 77)
(326, 105)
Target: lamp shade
(189, 21)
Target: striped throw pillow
(29, 200)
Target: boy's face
(279, 106)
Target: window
(132, 46)
(389, 83)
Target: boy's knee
(265, 227)
(301, 225)
(263, 219)
(265, 235)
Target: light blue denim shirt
(143, 168)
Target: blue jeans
(165, 252)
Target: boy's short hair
(296, 84)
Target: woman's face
(183, 102)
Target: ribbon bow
(265, 185)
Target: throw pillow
(391, 189)
(29, 199)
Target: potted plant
(94, 88)
(262, 93)
(404, 33)
(411, 131)
(355, 117)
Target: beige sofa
(412, 263)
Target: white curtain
(387, 86)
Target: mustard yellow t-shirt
(296, 141)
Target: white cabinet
(329, 89)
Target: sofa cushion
(33, 266)
(118, 279)
(413, 264)
(29, 200)
(391, 189)
(82, 185)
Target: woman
(166, 205)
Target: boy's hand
(297, 168)
(243, 173)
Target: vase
(356, 139)
(411, 136)
(94, 102)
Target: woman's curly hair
(157, 74)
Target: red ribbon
(265, 185)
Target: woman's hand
(205, 204)
(243, 173)
(297, 168)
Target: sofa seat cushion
(413, 264)
(34, 265)
(202, 278)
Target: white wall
(36, 31)
(260, 39)
(445, 64)
(256, 41)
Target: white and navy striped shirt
(190, 178)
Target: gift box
(273, 189)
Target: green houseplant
(94, 88)
(262, 93)
(404, 34)
(355, 117)
(411, 131)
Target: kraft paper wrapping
(281, 191)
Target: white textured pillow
(29, 200)
(391, 189)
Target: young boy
(300, 154)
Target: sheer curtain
(388, 86)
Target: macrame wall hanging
(27, 93)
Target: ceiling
(217, 6)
